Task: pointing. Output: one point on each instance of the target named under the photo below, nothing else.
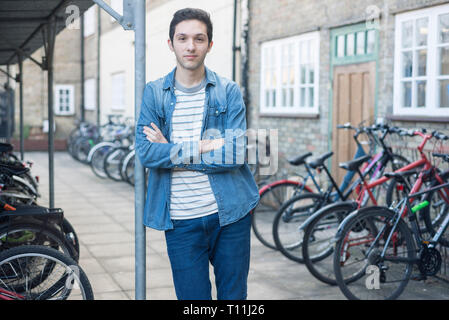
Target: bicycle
(41, 273)
(296, 213)
(383, 243)
(320, 229)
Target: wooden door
(353, 101)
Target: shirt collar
(169, 80)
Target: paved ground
(102, 213)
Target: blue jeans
(194, 242)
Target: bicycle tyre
(54, 258)
(97, 159)
(27, 232)
(112, 163)
(272, 197)
(356, 281)
(320, 265)
(310, 203)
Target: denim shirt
(231, 181)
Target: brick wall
(273, 19)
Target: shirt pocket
(217, 117)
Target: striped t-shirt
(191, 195)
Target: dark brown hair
(191, 14)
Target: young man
(191, 134)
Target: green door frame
(351, 59)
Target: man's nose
(190, 45)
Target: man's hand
(154, 135)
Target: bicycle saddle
(299, 160)
(353, 165)
(320, 161)
(5, 147)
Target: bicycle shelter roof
(22, 22)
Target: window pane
(303, 97)
(444, 93)
(267, 77)
(444, 61)
(407, 64)
(291, 97)
(311, 97)
(407, 94)
(371, 41)
(443, 28)
(350, 44)
(303, 73)
(421, 32)
(284, 76)
(407, 34)
(341, 46)
(273, 97)
(421, 90)
(284, 97)
(360, 42)
(267, 98)
(311, 74)
(422, 61)
(292, 75)
(273, 78)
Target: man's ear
(170, 45)
(210, 46)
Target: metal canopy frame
(26, 26)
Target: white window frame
(89, 22)
(90, 94)
(118, 91)
(71, 103)
(432, 91)
(313, 38)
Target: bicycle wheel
(434, 214)
(112, 162)
(127, 167)
(271, 199)
(287, 234)
(318, 245)
(81, 148)
(33, 233)
(41, 273)
(361, 269)
(97, 159)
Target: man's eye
(200, 39)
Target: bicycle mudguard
(320, 211)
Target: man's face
(190, 44)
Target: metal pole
(21, 104)
(50, 38)
(139, 174)
(98, 65)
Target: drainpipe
(244, 45)
(98, 65)
(234, 47)
(82, 111)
